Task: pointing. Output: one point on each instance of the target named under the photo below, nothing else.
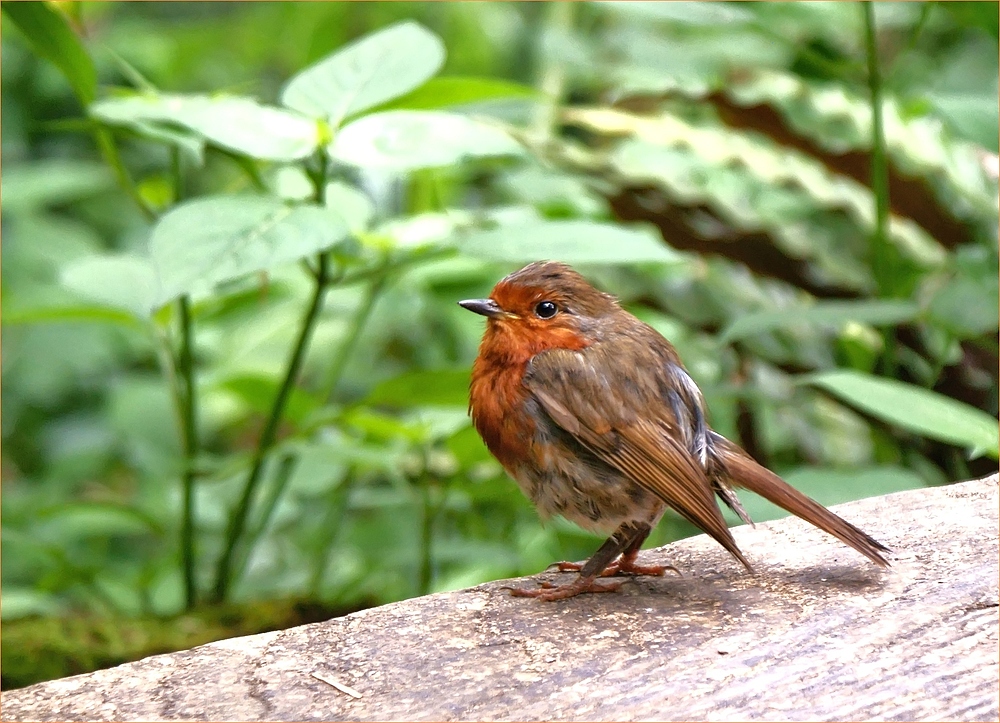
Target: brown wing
(629, 427)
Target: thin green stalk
(426, 570)
(433, 494)
(336, 507)
(911, 43)
(188, 413)
(880, 167)
(552, 75)
(238, 521)
(881, 256)
(357, 325)
(286, 465)
(190, 431)
(113, 158)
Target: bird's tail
(743, 471)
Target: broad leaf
(121, 282)
(51, 37)
(406, 140)
(370, 71)
(874, 312)
(440, 387)
(210, 240)
(711, 14)
(239, 124)
(36, 184)
(452, 91)
(915, 409)
(575, 242)
(351, 204)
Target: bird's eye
(545, 310)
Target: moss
(37, 649)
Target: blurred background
(185, 465)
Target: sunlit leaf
(369, 71)
(240, 124)
(874, 312)
(687, 13)
(574, 242)
(210, 240)
(446, 92)
(121, 282)
(351, 204)
(914, 409)
(405, 140)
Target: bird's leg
(626, 564)
(591, 570)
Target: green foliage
(914, 409)
(234, 369)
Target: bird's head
(545, 305)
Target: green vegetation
(235, 376)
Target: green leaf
(575, 242)
(451, 91)
(406, 140)
(874, 312)
(370, 71)
(50, 36)
(121, 282)
(441, 387)
(258, 392)
(210, 240)
(973, 116)
(689, 13)
(61, 314)
(70, 521)
(353, 205)
(240, 124)
(21, 602)
(29, 186)
(912, 408)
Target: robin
(593, 414)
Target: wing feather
(618, 429)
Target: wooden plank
(818, 634)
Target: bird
(593, 414)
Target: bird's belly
(584, 490)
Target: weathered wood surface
(817, 634)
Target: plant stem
(189, 418)
(113, 158)
(336, 507)
(188, 400)
(426, 537)
(881, 256)
(357, 324)
(880, 169)
(286, 465)
(238, 521)
(552, 73)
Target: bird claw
(621, 567)
(549, 592)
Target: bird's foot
(550, 592)
(625, 565)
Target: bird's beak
(485, 307)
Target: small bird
(593, 414)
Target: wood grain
(817, 634)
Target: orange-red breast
(595, 416)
